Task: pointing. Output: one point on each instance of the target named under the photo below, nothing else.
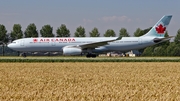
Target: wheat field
(132, 81)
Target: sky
(102, 14)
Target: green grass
(84, 59)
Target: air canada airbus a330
(93, 45)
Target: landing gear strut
(91, 55)
(24, 55)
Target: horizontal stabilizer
(158, 40)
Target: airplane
(92, 45)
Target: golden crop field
(81, 81)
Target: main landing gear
(91, 55)
(24, 55)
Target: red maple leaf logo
(160, 29)
(35, 40)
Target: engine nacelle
(71, 51)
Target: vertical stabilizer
(159, 29)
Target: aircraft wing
(97, 44)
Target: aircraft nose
(10, 45)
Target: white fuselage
(56, 44)
(91, 45)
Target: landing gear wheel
(88, 55)
(91, 55)
(24, 55)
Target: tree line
(47, 31)
(164, 49)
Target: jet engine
(71, 51)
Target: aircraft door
(140, 41)
(22, 43)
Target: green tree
(137, 32)
(123, 33)
(80, 32)
(159, 51)
(3, 35)
(3, 32)
(177, 50)
(170, 49)
(177, 38)
(7, 38)
(31, 31)
(62, 31)
(173, 49)
(94, 33)
(110, 33)
(47, 31)
(148, 51)
(17, 33)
